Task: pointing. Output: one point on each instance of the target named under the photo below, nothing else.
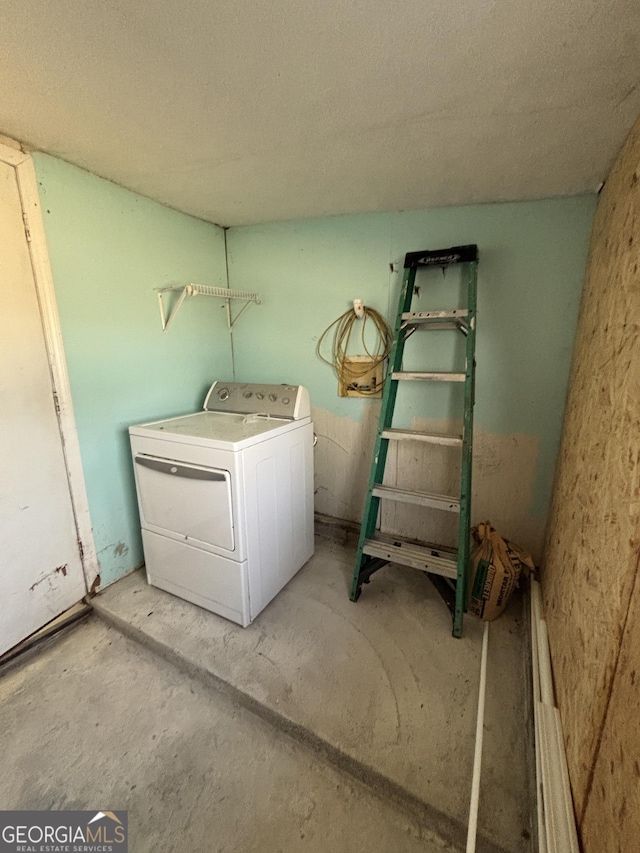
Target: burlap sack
(496, 567)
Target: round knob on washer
(223, 394)
(273, 398)
(285, 400)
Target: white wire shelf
(187, 290)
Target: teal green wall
(532, 262)
(109, 248)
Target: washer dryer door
(192, 502)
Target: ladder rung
(425, 558)
(433, 377)
(436, 326)
(420, 498)
(429, 316)
(430, 437)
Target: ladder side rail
(467, 456)
(381, 446)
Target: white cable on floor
(536, 609)
(477, 758)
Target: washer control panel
(277, 401)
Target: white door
(40, 567)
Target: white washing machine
(226, 497)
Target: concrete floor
(325, 725)
(95, 721)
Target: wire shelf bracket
(186, 290)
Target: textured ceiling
(243, 112)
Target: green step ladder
(447, 567)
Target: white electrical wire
(477, 757)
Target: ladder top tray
(442, 257)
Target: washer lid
(279, 401)
(224, 431)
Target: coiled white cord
(342, 329)
(250, 419)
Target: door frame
(13, 154)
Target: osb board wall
(611, 821)
(594, 532)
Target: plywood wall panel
(594, 531)
(612, 817)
